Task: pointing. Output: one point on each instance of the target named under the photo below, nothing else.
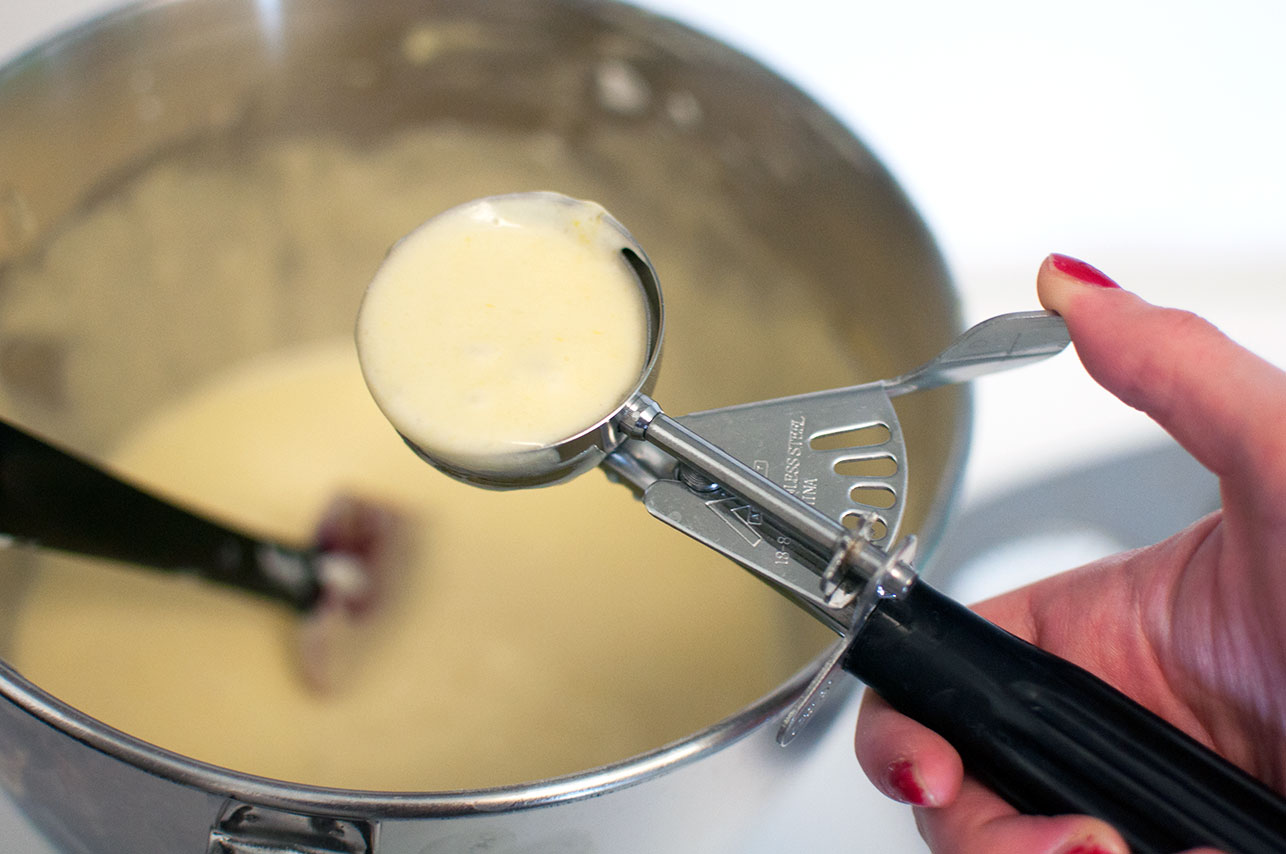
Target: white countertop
(1146, 138)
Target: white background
(1145, 137)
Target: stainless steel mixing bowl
(656, 119)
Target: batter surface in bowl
(529, 633)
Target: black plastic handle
(53, 499)
(1051, 738)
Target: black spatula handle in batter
(1051, 738)
(56, 500)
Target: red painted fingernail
(1088, 848)
(1082, 272)
(905, 784)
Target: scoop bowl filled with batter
(501, 336)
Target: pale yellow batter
(531, 633)
(504, 325)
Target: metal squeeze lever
(749, 482)
(784, 428)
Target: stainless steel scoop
(760, 483)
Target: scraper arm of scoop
(998, 343)
(1051, 738)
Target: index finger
(1224, 404)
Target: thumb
(1225, 405)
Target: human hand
(1192, 627)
